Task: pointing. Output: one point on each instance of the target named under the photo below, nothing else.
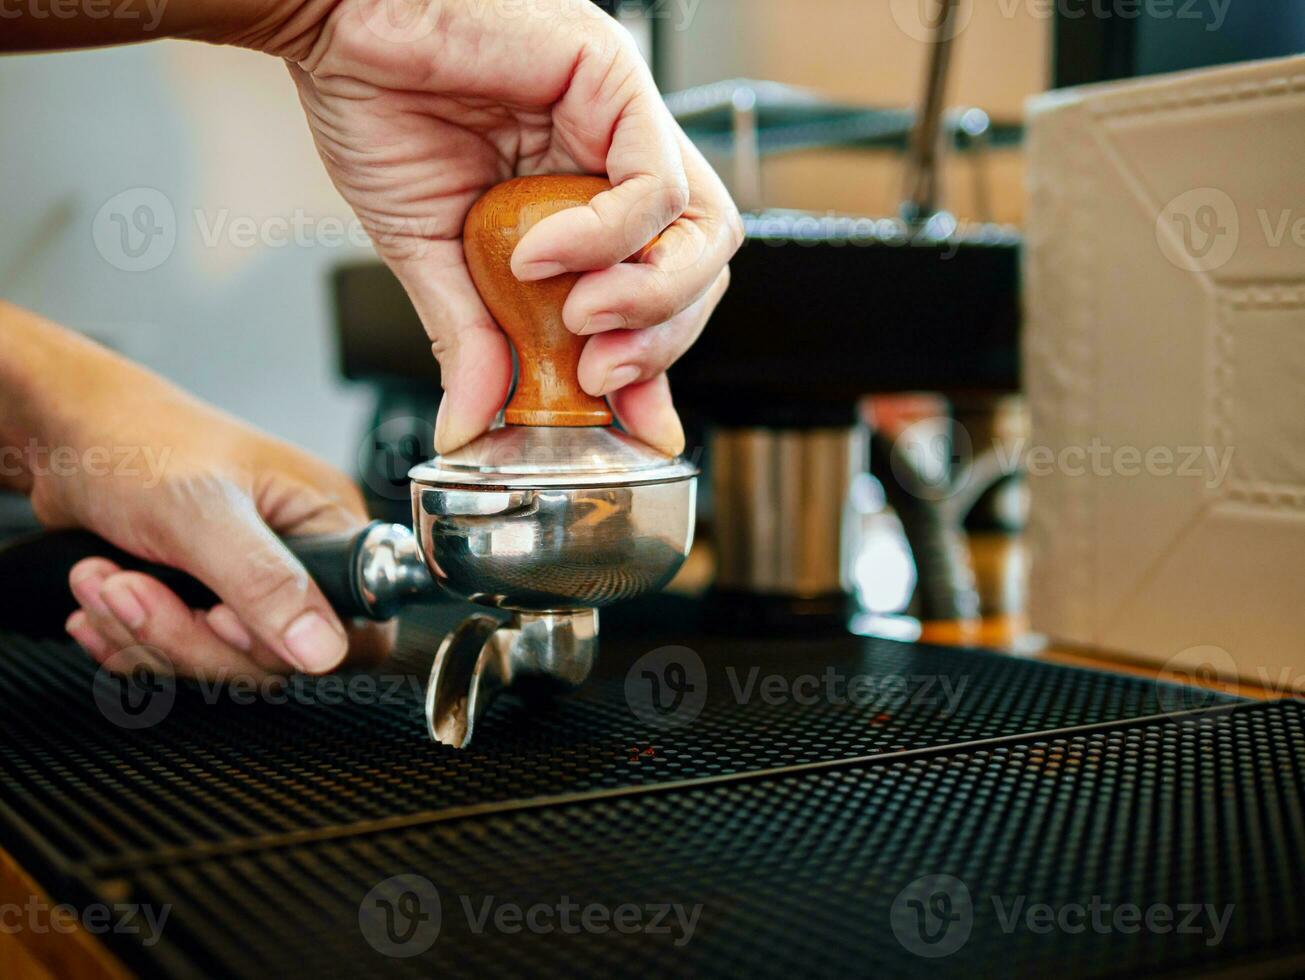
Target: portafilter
(555, 514)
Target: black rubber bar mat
(1168, 846)
(102, 787)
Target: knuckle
(271, 590)
(91, 568)
(643, 346)
(158, 633)
(596, 34)
(46, 505)
(738, 235)
(655, 299)
(183, 498)
(445, 347)
(676, 195)
(655, 210)
(605, 43)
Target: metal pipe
(747, 149)
(922, 175)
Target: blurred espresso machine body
(775, 386)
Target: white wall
(213, 131)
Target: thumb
(474, 356)
(253, 572)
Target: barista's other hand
(119, 451)
(420, 106)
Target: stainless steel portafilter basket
(538, 519)
(552, 524)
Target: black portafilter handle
(368, 573)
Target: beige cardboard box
(1165, 365)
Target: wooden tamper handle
(548, 390)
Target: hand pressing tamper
(551, 516)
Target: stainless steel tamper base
(548, 524)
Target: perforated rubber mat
(814, 873)
(790, 815)
(218, 766)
